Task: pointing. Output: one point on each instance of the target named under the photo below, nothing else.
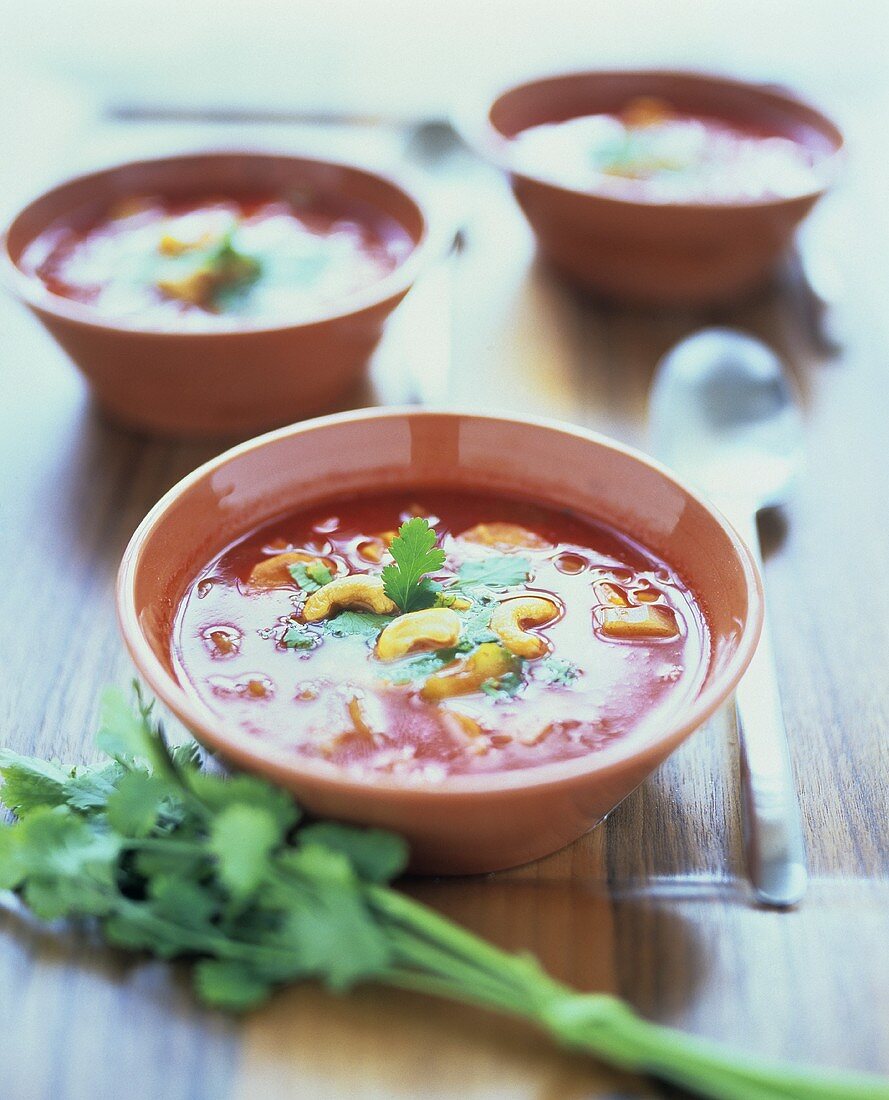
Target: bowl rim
(33, 292)
(472, 120)
(236, 745)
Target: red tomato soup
(651, 152)
(217, 261)
(537, 636)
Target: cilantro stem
(437, 963)
(405, 911)
(437, 986)
(600, 1024)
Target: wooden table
(653, 904)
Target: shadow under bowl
(657, 253)
(222, 382)
(466, 823)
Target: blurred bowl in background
(194, 381)
(635, 248)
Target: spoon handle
(773, 834)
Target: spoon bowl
(742, 427)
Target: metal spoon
(725, 416)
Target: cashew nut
(275, 572)
(434, 628)
(648, 621)
(504, 536)
(359, 592)
(511, 618)
(469, 673)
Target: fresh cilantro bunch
(181, 862)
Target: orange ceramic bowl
(467, 823)
(222, 382)
(646, 252)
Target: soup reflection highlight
(537, 635)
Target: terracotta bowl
(467, 823)
(241, 381)
(648, 252)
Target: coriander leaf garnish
(405, 580)
(188, 864)
(556, 670)
(494, 571)
(503, 687)
(310, 576)
(362, 624)
(476, 625)
(297, 636)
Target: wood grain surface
(653, 904)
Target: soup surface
(531, 635)
(650, 152)
(218, 261)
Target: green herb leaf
(134, 807)
(241, 838)
(494, 571)
(476, 624)
(13, 866)
(334, 914)
(415, 554)
(297, 636)
(235, 986)
(310, 576)
(231, 269)
(361, 624)
(129, 736)
(63, 866)
(29, 783)
(89, 789)
(375, 856)
(190, 903)
(556, 670)
(219, 792)
(503, 687)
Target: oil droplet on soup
(549, 638)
